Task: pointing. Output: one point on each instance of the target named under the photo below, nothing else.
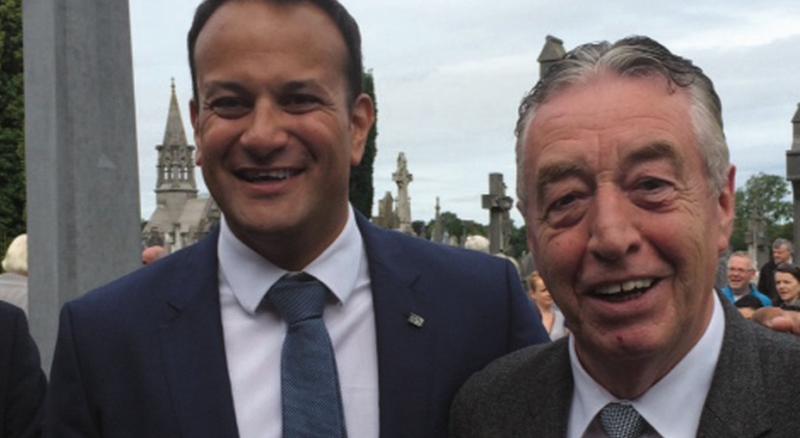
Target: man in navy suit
(22, 382)
(191, 347)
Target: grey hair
(744, 255)
(16, 259)
(633, 57)
(779, 242)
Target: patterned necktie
(622, 421)
(311, 404)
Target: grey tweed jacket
(755, 391)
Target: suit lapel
(405, 351)
(192, 347)
(550, 396)
(735, 406)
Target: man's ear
(361, 119)
(726, 205)
(194, 114)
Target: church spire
(175, 155)
(174, 133)
(796, 129)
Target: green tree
(457, 227)
(12, 122)
(765, 197)
(361, 189)
(518, 241)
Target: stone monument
(756, 239)
(552, 52)
(80, 136)
(403, 178)
(793, 171)
(437, 234)
(386, 217)
(498, 204)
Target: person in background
(22, 382)
(740, 290)
(552, 318)
(782, 252)
(153, 253)
(787, 282)
(748, 305)
(14, 279)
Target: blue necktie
(311, 404)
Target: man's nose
(614, 232)
(266, 130)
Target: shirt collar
(683, 389)
(250, 275)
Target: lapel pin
(416, 320)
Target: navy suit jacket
(144, 356)
(22, 382)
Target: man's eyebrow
(656, 151)
(300, 85)
(215, 86)
(559, 171)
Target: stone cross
(437, 235)
(403, 178)
(498, 205)
(793, 171)
(80, 138)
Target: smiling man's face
(275, 129)
(624, 225)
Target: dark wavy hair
(789, 268)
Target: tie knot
(298, 297)
(622, 421)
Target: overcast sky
(450, 73)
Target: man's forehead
(572, 123)
(739, 259)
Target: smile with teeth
(625, 290)
(268, 175)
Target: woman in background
(787, 281)
(552, 318)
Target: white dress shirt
(673, 406)
(254, 336)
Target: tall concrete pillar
(82, 173)
(793, 172)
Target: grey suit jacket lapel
(735, 406)
(552, 380)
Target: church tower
(175, 182)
